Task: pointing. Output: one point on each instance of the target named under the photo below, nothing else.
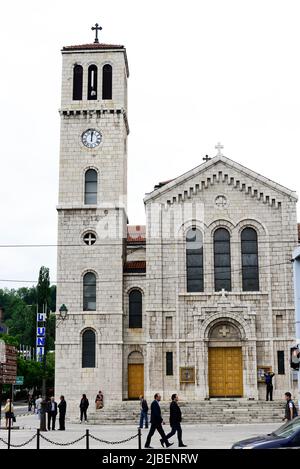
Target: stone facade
(218, 193)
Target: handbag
(13, 418)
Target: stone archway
(225, 360)
(135, 375)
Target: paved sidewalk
(195, 436)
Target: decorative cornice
(94, 112)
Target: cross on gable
(96, 28)
(224, 331)
(219, 147)
(206, 158)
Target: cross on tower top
(219, 147)
(96, 28)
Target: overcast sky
(200, 72)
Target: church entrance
(225, 360)
(135, 375)
(225, 372)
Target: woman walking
(9, 413)
(84, 403)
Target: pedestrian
(175, 419)
(290, 408)
(9, 413)
(52, 413)
(99, 400)
(38, 406)
(62, 406)
(84, 404)
(144, 412)
(269, 386)
(30, 402)
(156, 423)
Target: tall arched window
(90, 187)
(194, 260)
(135, 309)
(107, 82)
(88, 349)
(222, 260)
(92, 82)
(250, 271)
(89, 292)
(77, 82)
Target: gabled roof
(210, 164)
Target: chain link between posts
(21, 444)
(114, 442)
(57, 443)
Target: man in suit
(52, 413)
(175, 419)
(156, 423)
(62, 406)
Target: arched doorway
(135, 375)
(225, 361)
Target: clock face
(91, 138)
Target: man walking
(290, 408)
(144, 412)
(269, 386)
(52, 413)
(62, 406)
(175, 419)
(156, 423)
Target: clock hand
(92, 135)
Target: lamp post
(63, 311)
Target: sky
(201, 71)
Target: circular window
(221, 201)
(89, 238)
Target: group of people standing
(156, 420)
(52, 409)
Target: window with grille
(89, 292)
(194, 260)
(250, 271)
(222, 260)
(169, 363)
(89, 238)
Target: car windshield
(288, 428)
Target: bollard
(87, 435)
(140, 438)
(38, 438)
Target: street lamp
(63, 311)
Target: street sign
(9, 366)
(19, 380)
(2, 351)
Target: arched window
(135, 309)
(90, 189)
(194, 260)
(222, 260)
(88, 349)
(250, 272)
(92, 82)
(89, 292)
(77, 82)
(107, 82)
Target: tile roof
(135, 267)
(93, 46)
(136, 233)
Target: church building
(199, 301)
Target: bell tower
(92, 220)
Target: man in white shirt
(38, 403)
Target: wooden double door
(135, 380)
(225, 369)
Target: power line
(165, 277)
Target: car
(287, 436)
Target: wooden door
(225, 369)
(135, 380)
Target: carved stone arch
(185, 226)
(230, 317)
(136, 356)
(221, 223)
(252, 223)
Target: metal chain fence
(70, 443)
(21, 444)
(114, 442)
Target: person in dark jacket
(269, 385)
(62, 406)
(144, 412)
(175, 419)
(156, 423)
(290, 408)
(84, 403)
(52, 412)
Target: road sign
(9, 366)
(19, 380)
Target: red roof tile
(136, 233)
(93, 46)
(135, 267)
